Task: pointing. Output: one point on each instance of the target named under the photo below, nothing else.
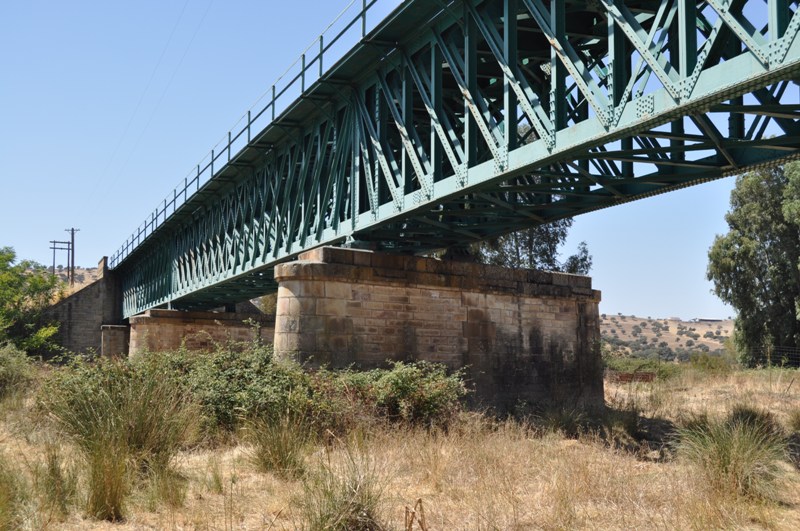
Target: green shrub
(343, 401)
(419, 393)
(734, 456)
(231, 382)
(16, 370)
(710, 363)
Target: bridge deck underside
(456, 122)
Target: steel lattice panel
(455, 122)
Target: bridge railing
(346, 30)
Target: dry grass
(480, 474)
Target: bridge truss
(456, 121)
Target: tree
(536, 248)
(26, 289)
(754, 267)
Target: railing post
(198, 178)
(363, 18)
(212, 164)
(303, 73)
(273, 103)
(248, 127)
(229, 146)
(321, 48)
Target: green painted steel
(455, 121)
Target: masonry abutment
(90, 320)
(159, 330)
(522, 336)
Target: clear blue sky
(105, 106)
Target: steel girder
(458, 121)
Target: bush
(16, 370)
(230, 385)
(231, 382)
(710, 363)
(734, 456)
(419, 393)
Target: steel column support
(510, 55)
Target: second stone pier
(523, 337)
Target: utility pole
(72, 255)
(65, 246)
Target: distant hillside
(83, 277)
(666, 338)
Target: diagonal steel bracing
(455, 121)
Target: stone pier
(522, 336)
(157, 330)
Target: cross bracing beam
(475, 118)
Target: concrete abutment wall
(522, 335)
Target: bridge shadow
(619, 426)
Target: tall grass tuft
(343, 495)
(108, 480)
(794, 420)
(737, 455)
(123, 420)
(16, 370)
(758, 418)
(55, 482)
(279, 444)
(13, 495)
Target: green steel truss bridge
(452, 121)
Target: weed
(794, 420)
(279, 444)
(214, 481)
(344, 494)
(662, 370)
(165, 487)
(108, 481)
(13, 495)
(735, 456)
(570, 422)
(55, 482)
(709, 363)
(758, 418)
(16, 370)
